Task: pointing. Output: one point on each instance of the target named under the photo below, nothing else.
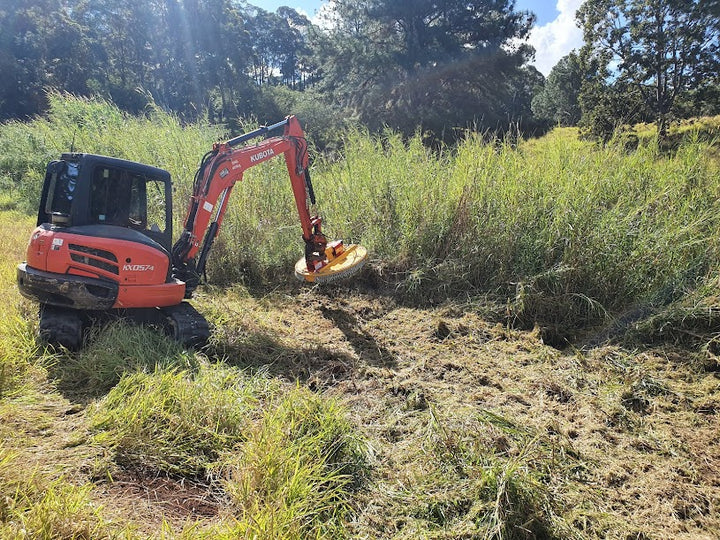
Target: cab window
(122, 198)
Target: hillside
(531, 353)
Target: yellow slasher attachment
(340, 262)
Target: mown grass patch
(483, 477)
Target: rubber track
(186, 325)
(61, 327)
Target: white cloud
(557, 38)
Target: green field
(532, 351)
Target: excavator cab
(83, 190)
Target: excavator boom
(215, 179)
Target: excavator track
(186, 325)
(61, 327)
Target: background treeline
(436, 66)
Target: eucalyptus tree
(657, 49)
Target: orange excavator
(103, 241)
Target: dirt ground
(629, 439)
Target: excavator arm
(221, 169)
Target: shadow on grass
(315, 364)
(365, 346)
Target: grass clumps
(176, 422)
(287, 460)
(506, 472)
(33, 506)
(117, 348)
(300, 489)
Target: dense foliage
(558, 99)
(432, 65)
(439, 67)
(436, 65)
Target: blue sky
(554, 35)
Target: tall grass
(114, 349)
(300, 489)
(288, 460)
(561, 229)
(96, 126)
(20, 359)
(556, 225)
(174, 423)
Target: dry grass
(473, 429)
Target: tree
(38, 44)
(558, 99)
(658, 48)
(434, 65)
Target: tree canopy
(430, 65)
(558, 99)
(438, 66)
(653, 50)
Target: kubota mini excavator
(103, 241)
